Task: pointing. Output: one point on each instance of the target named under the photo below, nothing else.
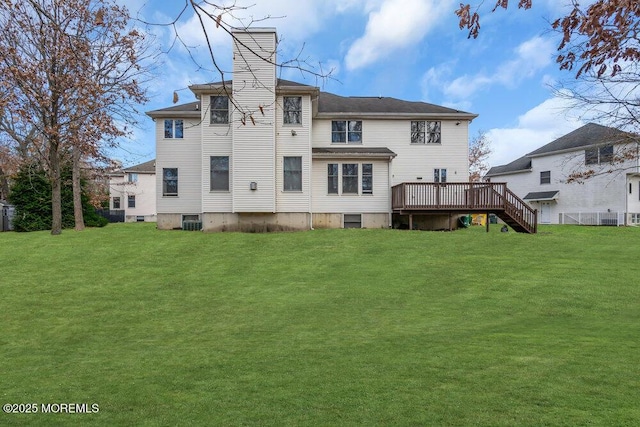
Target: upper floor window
(545, 177)
(598, 155)
(439, 175)
(349, 131)
(426, 132)
(292, 167)
(417, 132)
(173, 128)
(132, 177)
(433, 132)
(219, 173)
(292, 106)
(170, 181)
(219, 110)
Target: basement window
(352, 220)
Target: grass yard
(326, 327)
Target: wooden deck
(464, 197)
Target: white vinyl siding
(290, 145)
(216, 141)
(413, 161)
(183, 155)
(253, 156)
(144, 190)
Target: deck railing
(462, 196)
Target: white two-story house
(258, 152)
(133, 190)
(608, 189)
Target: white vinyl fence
(592, 218)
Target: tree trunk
(4, 185)
(56, 189)
(77, 191)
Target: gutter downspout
(389, 174)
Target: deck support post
(450, 225)
(410, 221)
(487, 222)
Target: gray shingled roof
(191, 109)
(589, 134)
(146, 167)
(585, 136)
(521, 164)
(541, 195)
(330, 105)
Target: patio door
(545, 212)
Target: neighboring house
(7, 211)
(611, 195)
(258, 152)
(133, 190)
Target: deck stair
(465, 197)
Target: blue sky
(407, 49)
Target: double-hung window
(367, 178)
(332, 178)
(292, 167)
(131, 201)
(132, 177)
(292, 106)
(173, 128)
(170, 181)
(426, 132)
(346, 131)
(219, 173)
(116, 203)
(417, 132)
(349, 178)
(433, 132)
(545, 177)
(219, 110)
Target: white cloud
(530, 57)
(537, 127)
(395, 24)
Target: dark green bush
(31, 196)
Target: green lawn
(325, 327)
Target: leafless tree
(600, 43)
(479, 151)
(212, 16)
(72, 76)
